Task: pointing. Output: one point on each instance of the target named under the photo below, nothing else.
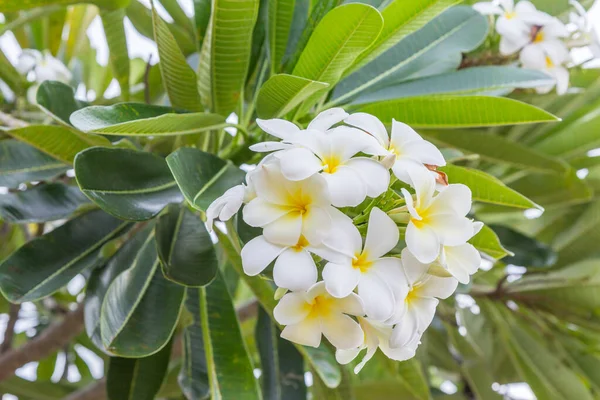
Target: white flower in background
(367, 269)
(44, 66)
(288, 210)
(421, 299)
(377, 335)
(311, 314)
(226, 206)
(463, 260)
(411, 150)
(586, 33)
(436, 220)
(514, 22)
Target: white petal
(487, 8)
(451, 229)
(298, 163)
(328, 118)
(510, 46)
(344, 237)
(424, 185)
(405, 168)
(382, 234)
(316, 224)
(291, 309)
(284, 231)
(435, 286)
(347, 141)
(277, 127)
(377, 296)
(514, 28)
(295, 270)
(327, 253)
(306, 332)
(265, 147)
(342, 331)
(371, 125)
(269, 183)
(556, 50)
(259, 212)
(373, 174)
(414, 270)
(340, 279)
(405, 331)
(425, 152)
(424, 309)
(456, 198)
(404, 353)
(462, 261)
(346, 187)
(257, 254)
(351, 305)
(402, 133)
(422, 242)
(370, 353)
(410, 204)
(532, 56)
(318, 289)
(344, 357)
(562, 80)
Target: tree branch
(50, 340)
(10, 121)
(94, 391)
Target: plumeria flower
(411, 150)
(377, 335)
(463, 260)
(421, 295)
(586, 34)
(514, 22)
(436, 220)
(367, 269)
(288, 210)
(311, 314)
(226, 206)
(44, 66)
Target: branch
(11, 122)
(94, 391)
(50, 340)
(13, 317)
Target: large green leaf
(282, 365)
(487, 242)
(137, 378)
(97, 117)
(133, 184)
(21, 163)
(229, 368)
(10, 75)
(59, 142)
(225, 53)
(141, 307)
(41, 203)
(178, 77)
(433, 49)
(281, 93)
(401, 18)
(202, 177)
(498, 149)
(553, 190)
(487, 188)
(185, 249)
(456, 111)
(101, 278)
(18, 5)
(281, 14)
(58, 100)
(343, 34)
(40, 267)
(580, 239)
(114, 29)
(36, 390)
(477, 80)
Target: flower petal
(351, 305)
(462, 261)
(425, 152)
(316, 224)
(257, 254)
(259, 212)
(342, 331)
(435, 286)
(375, 176)
(422, 242)
(455, 198)
(295, 270)
(370, 124)
(306, 332)
(291, 309)
(284, 231)
(298, 163)
(382, 234)
(265, 147)
(414, 270)
(346, 187)
(328, 118)
(377, 297)
(340, 279)
(487, 8)
(278, 127)
(451, 229)
(402, 133)
(344, 357)
(405, 331)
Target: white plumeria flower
(586, 34)
(463, 260)
(226, 206)
(411, 150)
(367, 269)
(436, 220)
(377, 335)
(421, 295)
(311, 314)
(287, 210)
(514, 22)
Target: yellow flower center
(331, 163)
(539, 36)
(302, 243)
(362, 262)
(413, 293)
(419, 223)
(549, 63)
(321, 306)
(510, 15)
(299, 202)
(394, 150)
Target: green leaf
(141, 307)
(133, 185)
(137, 378)
(59, 142)
(178, 77)
(40, 267)
(201, 17)
(10, 75)
(477, 80)
(221, 73)
(282, 365)
(202, 177)
(18, 5)
(580, 239)
(281, 14)
(401, 18)
(99, 119)
(58, 101)
(41, 203)
(434, 49)
(343, 34)
(553, 190)
(456, 111)
(282, 93)
(230, 372)
(35, 390)
(114, 29)
(101, 278)
(21, 163)
(487, 188)
(185, 249)
(487, 242)
(526, 250)
(498, 149)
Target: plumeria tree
(345, 200)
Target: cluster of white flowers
(369, 295)
(41, 67)
(544, 42)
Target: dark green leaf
(133, 184)
(41, 203)
(94, 118)
(281, 13)
(58, 101)
(185, 249)
(41, 267)
(527, 251)
(21, 163)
